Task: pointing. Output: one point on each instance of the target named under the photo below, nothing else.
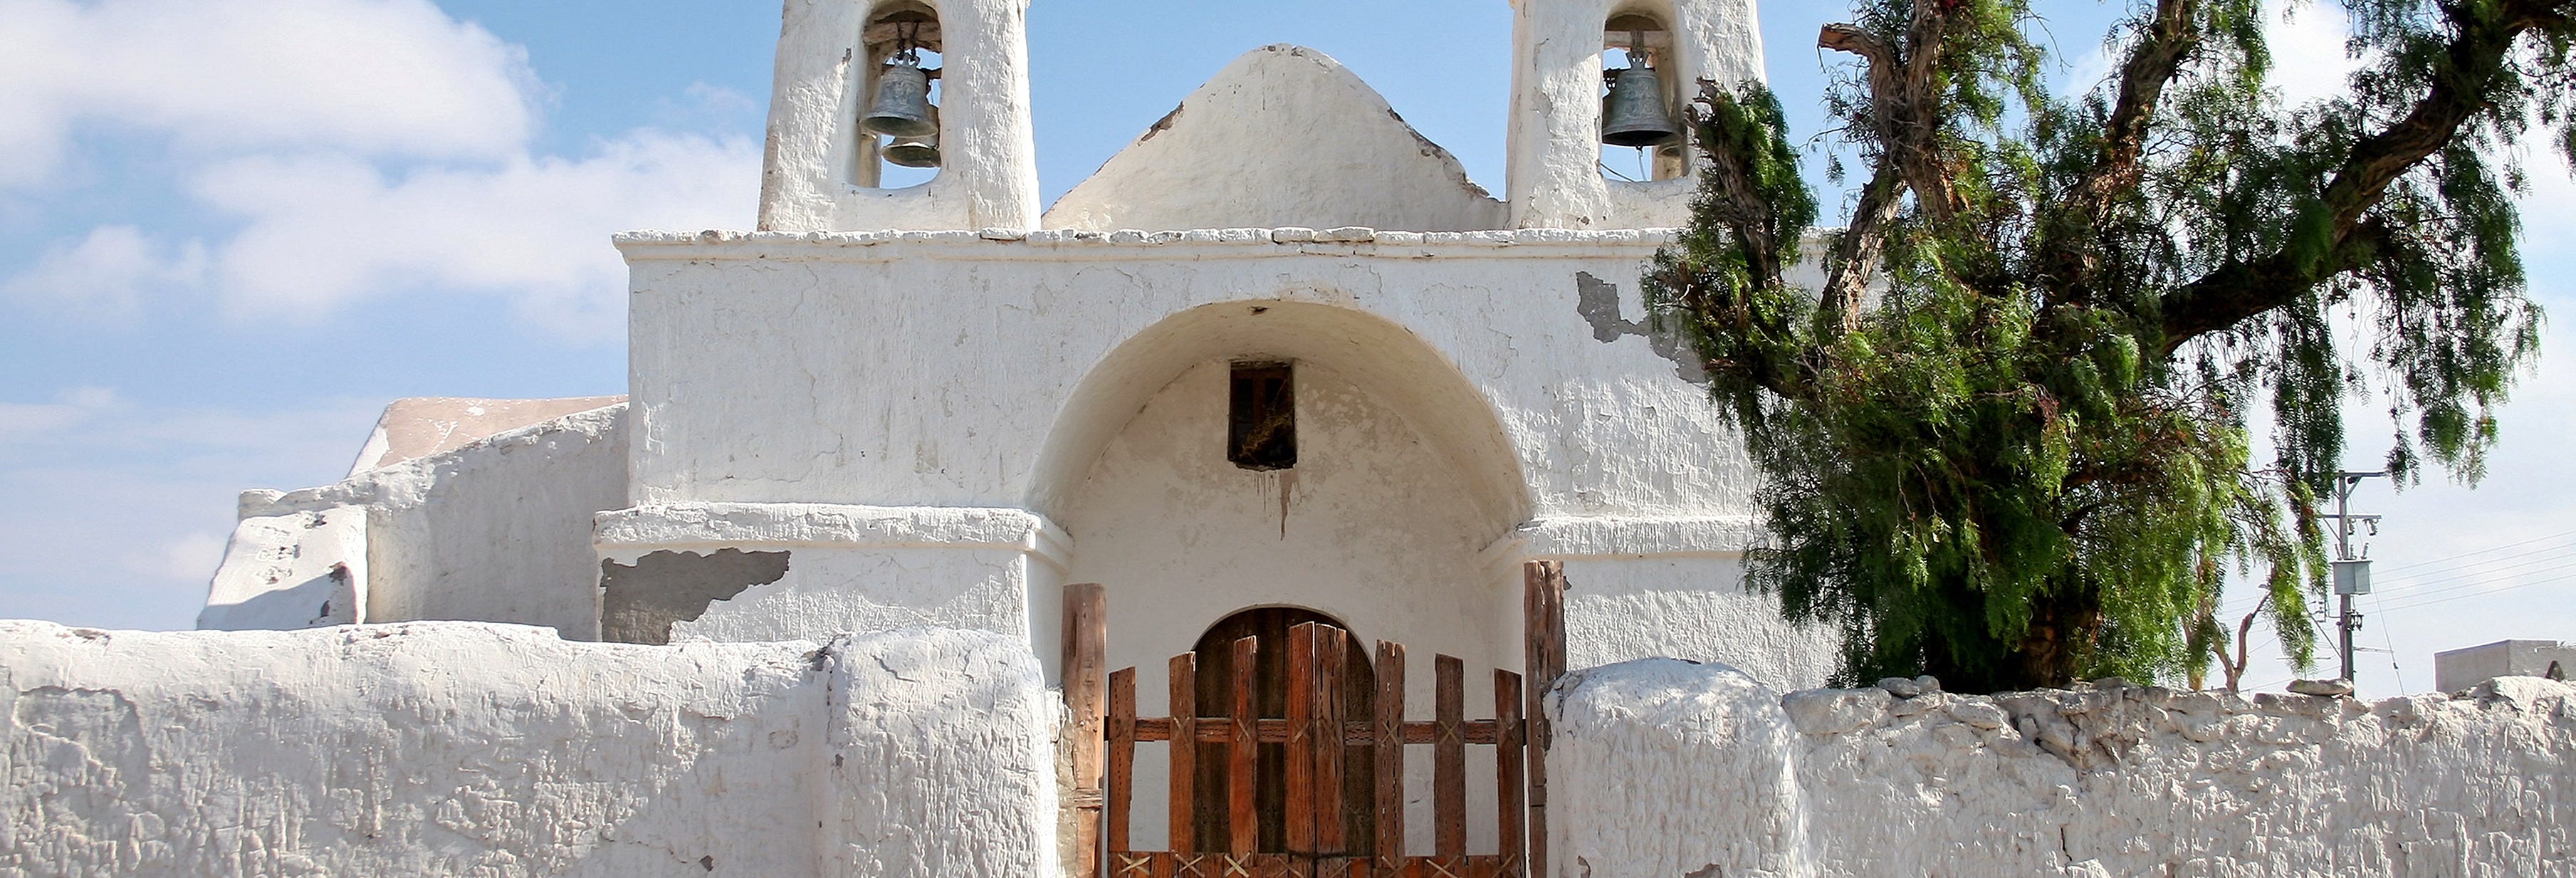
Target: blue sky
(231, 231)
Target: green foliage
(2008, 441)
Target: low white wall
(1670, 769)
(429, 749)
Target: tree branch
(2172, 37)
(1905, 110)
(2473, 64)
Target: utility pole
(2351, 575)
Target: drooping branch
(2473, 65)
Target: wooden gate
(1316, 735)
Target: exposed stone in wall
(639, 602)
(1664, 768)
(495, 751)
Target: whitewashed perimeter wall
(434, 749)
(1669, 769)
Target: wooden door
(1269, 627)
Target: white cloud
(360, 148)
(324, 230)
(386, 77)
(75, 406)
(2309, 59)
(108, 273)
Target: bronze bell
(1634, 114)
(917, 152)
(903, 103)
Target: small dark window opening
(1261, 432)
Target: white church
(1279, 357)
(945, 533)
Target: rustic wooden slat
(1511, 809)
(1243, 827)
(1354, 733)
(1389, 740)
(1085, 669)
(1332, 656)
(1183, 733)
(1302, 746)
(1449, 758)
(1543, 627)
(1122, 758)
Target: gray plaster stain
(639, 604)
(1598, 301)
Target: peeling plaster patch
(1164, 124)
(640, 603)
(1598, 301)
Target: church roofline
(1063, 244)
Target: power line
(2426, 603)
(2468, 572)
(2414, 564)
(2476, 570)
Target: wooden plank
(1355, 733)
(1449, 758)
(1511, 809)
(1242, 824)
(1184, 752)
(1389, 742)
(1122, 758)
(1543, 627)
(1085, 670)
(1302, 746)
(1332, 657)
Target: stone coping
(1065, 243)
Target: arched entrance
(1268, 627)
(1379, 513)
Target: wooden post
(1332, 655)
(1389, 741)
(1185, 752)
(1242, 825)
(1449, 757)
(1302, 746)
(1086, 659)
(1543, 626)
(1122, 758)
(1511, 811)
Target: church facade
(1279, 354)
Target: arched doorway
(1268, 626)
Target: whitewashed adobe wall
(497, 530)
(436, 749)
(1667, 769)
(1522, 362)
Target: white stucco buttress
(495, 530)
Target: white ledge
(733, 525)
(1060, 243)
(1570, 538)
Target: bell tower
(874, 95)
(1593, 73)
